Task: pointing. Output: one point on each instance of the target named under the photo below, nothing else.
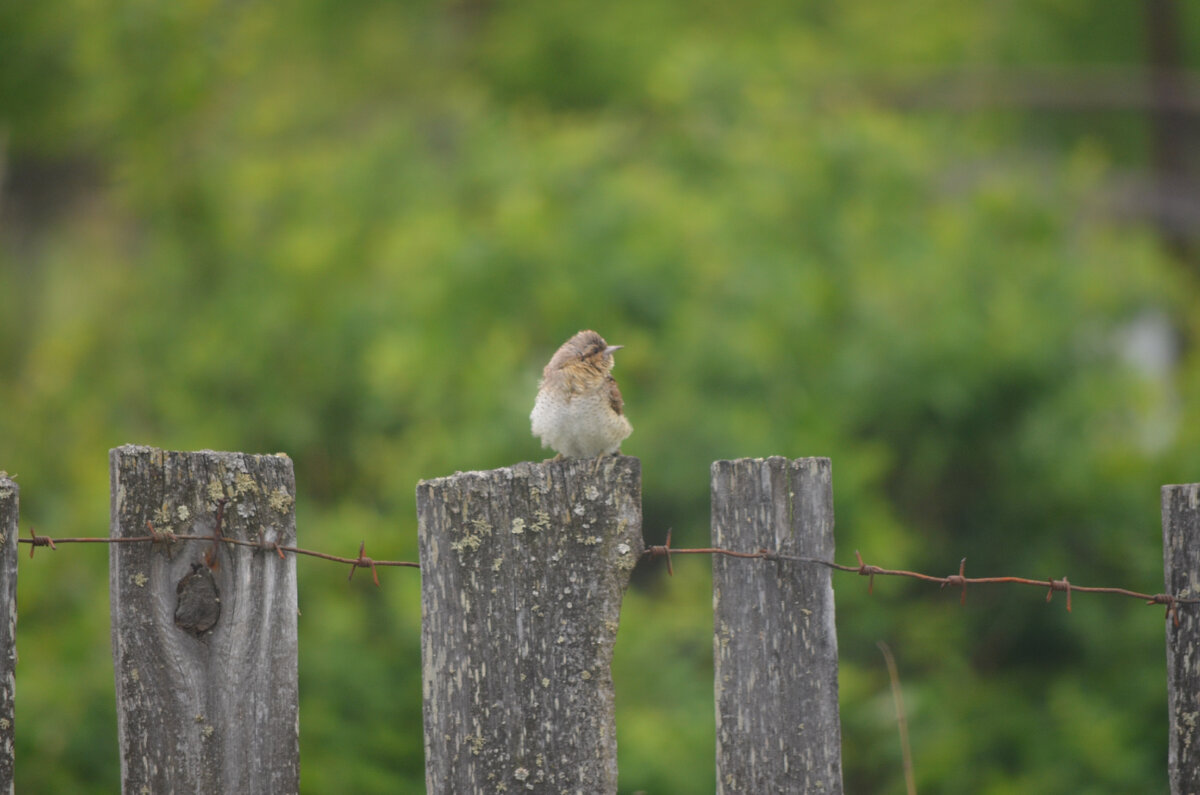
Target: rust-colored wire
(362, 561)
(959, 580)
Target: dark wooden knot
(199, 603)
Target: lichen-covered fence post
(774, 643)
(9, 510)
(1181, 565)
(522, 574)
(204, 632)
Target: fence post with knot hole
(522, 574)
(1181, 565)
(10, 505)
(774, 641)
(203, 631)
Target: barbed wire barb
(363, 560)
(160, 536)
(663, 550)
(37, 541)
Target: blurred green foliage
(354, 232)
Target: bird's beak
(612, 348)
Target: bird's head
(588, 349)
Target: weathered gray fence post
(205, 655)
(522, 574)
(774, 642)
(1181, 564)
(10, 504)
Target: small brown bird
(578, 411)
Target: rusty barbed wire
(164, 536)
(959, 580)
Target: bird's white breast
(578, 425)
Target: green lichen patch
(244, 483)
(280, 500)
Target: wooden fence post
(522, 574)
(1181, 565)
(10, 504)
(205, 656)
(774, 642)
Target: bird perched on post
(578, 411)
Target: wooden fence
(523, 572)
